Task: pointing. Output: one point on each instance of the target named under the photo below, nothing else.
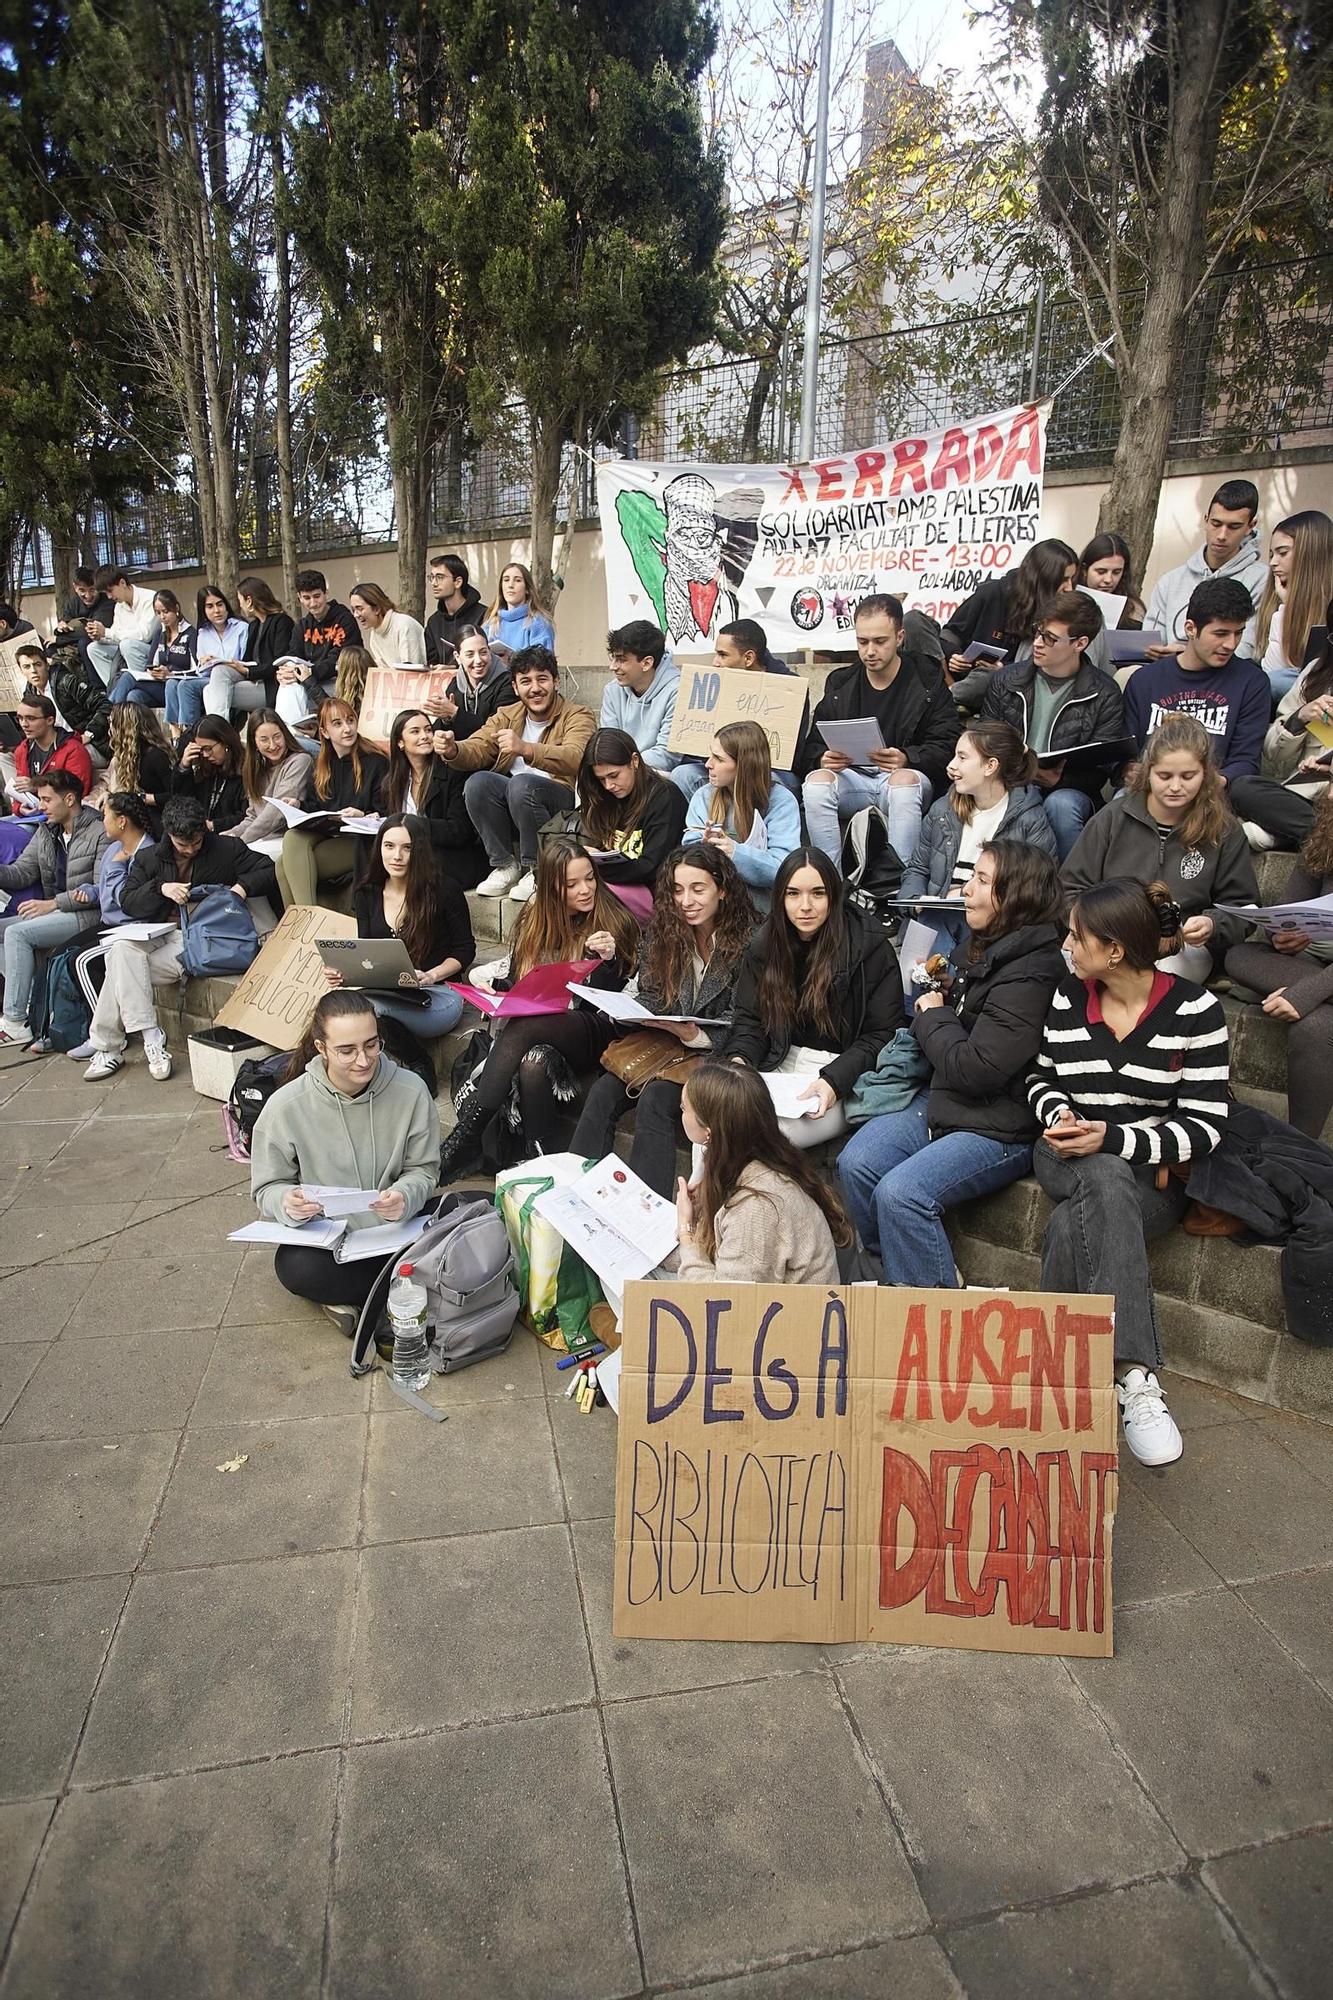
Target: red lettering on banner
(1024, 445)
(986, 449)
(952, 457)
(830, 480)
(909, 462)
(795, 487)
(1009, 1348)
(914, 1361)
(869, 465)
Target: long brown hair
(1000, 742)
(1317, 853)
(532, 605)
(329, 707)
(600, 816)
(547, 934)
(261, 597)
(354, 663)
(421, 890)
(397, 792)
(1308, 590)
(339, 1004)
(133, 729)
(1038, 577)
(749, 792)
(796, 976)
(743, 1131)
(1025, 890)
(668, 942)
(256, 771)
(1209, 819)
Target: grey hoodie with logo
(1172, 592)
(387, 1137)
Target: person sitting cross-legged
(159, 885)
(61, 862)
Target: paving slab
(36, 1301)
(471, 1629)
(295, 1368)
(212, 1885)
(33, 1228)
(84, 1388)
(907, 1969)
(753, 1828)
(1247, 1505)
(22, 1831)
(18, 1359)
(111, 1161)
(1298, 1611)
(53, 1639)
(185, 1291)
(78, 1507)
(212, 1665)
(29, 1149)
(259, 1300)
(485, 1863)
(1232, 1740)
(1164, 1938)
(1310, 1444)
(157, 1228)
(585, 1450)
(993, 1812)
(1281, 1900)
(489, 1466)
(1150, 1558)
(252, 1490)
(516, 1372)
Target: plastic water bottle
(407, 1318)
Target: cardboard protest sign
(274, 999)
(389, 689)
(13, 679)
(800, 1462)
(927, 517)
(709, 697)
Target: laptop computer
(373, 965)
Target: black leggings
(579, 1036)
(657, 1128)
(318, 1276)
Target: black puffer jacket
(81, 700)
(927, 726)
(870, 1006)
(982, 1042)
(1094, 713)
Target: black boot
(460, 1153)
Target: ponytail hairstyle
(752, 787)
(547, 934)
(733, 1101)
(1040, 575)
(340, 1003)
(797, 975)
(1308, 588)
(602, 817)
(256, 771)
(132, 806)
(998, 743)
(333, 705)
(1210, 818)
(1142, 919)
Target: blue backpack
(59, 1012)
(219, 935)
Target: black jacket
(453, 931)
(220, 863)
(870, 1006)
(453, 836)
(982, 1042)
(984, 616)
(267, 641)
(344, 791)
(1094, 713)
(321, 641)
(474, 707)
(642, 848)
(444, 628)
(79, 695)
(928, 720)
(222, 797)
(1279, 1183)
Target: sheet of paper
(855, 739)
(139, 933)
(320, 1234)
(616, 1223)
(381, 1240)
(340, 1200)
(916, 942)
(980, 650)
(296, 815)
(367, 823)
(926, 903)
(624, 1007)
(785, 1092)
(1322, 732)
(1315, 917)
(1110, 606)
(1125, 647)
(608, 1378)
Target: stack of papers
(855, 739)
(138, 933)
(349, 1246)
(624, 1007)
(355, 823)
(616, 1223)
(786, 1093)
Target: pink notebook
(544, 990)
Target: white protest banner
(389, 689)
(927, 518)
(710, 697)
(275, 998)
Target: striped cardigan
(1162, 1092)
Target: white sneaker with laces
(105, 1063)
(525, 888)
(159, 1062)
(13, 1034)
(500, 880)
(1150, 1428)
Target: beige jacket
(768, 1233)
(1283, 750)
(557, 753)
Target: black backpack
(871, 867)
(256, 1081)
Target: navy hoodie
(1234, 703)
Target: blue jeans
(24, 938)
(898, 1182)
(443, 1013)
(828, 807)
(689, 777)
(185, 702)
(149, 694)
(1282, 680)
(1068, 812)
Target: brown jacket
(557, 753)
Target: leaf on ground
(235, 1464)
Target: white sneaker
(13, 1034)
(82, 1053)
(524, 889)
(105, 1063)
(1259, 837)
(500, 880)
(1150, 1428)
(159, 1062)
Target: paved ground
(349, 1719)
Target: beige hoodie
(769, 1232)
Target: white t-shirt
(983, 826)
(1274, 655)
(533, 730)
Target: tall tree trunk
(547, 438)
(410, 461)
(186, 374)
(760, 390)
(1149, 373)
(64, 561)
(282, 387)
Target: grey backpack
(463, 1258)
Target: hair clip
(1170, 917)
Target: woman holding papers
(630, 816)
(571, 917)
(219, 635)
(422, 784)
(1106, 565)
(741, 811)
(759, 1214)
(209, 769)
(702, 921)
(970, 1131)
(993, 795)
(274, 767)
(1295, 974)
(349, 1118)
(404, 895)
(817, 996)
(1173, 826)
(1004, 612)
(345, 784)
(273, 635)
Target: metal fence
(1257, 378)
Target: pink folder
(544, 990)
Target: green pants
(305, 863)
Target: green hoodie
(388, 1137)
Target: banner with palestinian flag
(927, 518)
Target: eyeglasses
(1049, 638)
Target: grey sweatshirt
(768, 1233)
(1172, 592)
(287, 780)
(388, 1137)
